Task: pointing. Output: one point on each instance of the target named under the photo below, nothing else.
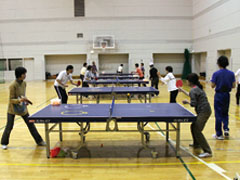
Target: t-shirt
(224, 80)
(63, 77)
(199, 100)
(94, 69)
(83, 71)
(170, 80)
(17, 89)
(120, 69)
(139, 72)
(237, 74)
(143, 69)
(88, 76)
(153, 73)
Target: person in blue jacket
(223, 81)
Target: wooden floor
(117, 158)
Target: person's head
(121, 65)
(222, 62)
(151, 64)
(136, 65)
(69, 69)
(85, 64)
(89, 68)
(93, 63)
(193, 80)
(142, 64)
(169, 69)
(20, 73)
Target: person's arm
(165, 79)
(234, 82)
(60, 76)
(213, 85)
(193, 99)
(213, 81)
(13, 99)
(71, 81)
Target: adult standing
(154, 76)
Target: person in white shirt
(170, 80)
(61, 83)
(237, 74)
(120, 69)
(83, 71)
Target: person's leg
(33, 130)
(8, 129)
(225, 107)
(58, 90)
(218, 114)
(65, 96)
(197, 131)
(156, 84)
(173, 95)
(238, 94)
(195, 143)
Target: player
(223, 81)
(61, 83)
(170, 80)
(154, 76)
(88, 76)
(139, 72)
(142, 69)
(18, 106)
(202, 107)
(120, 69)
(83, 71)
(94, 69)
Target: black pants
(154, 83)
(173, 96)
(9, 127)
(85, 84)
(238, 94)
(62, 94)
(82, 78)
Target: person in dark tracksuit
(61, 83)
(202, 107)
(18, 106)
(154, 76)
(223, 81)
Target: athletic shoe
(218, 137)
(205, 155)
(4, 147)
(42, 143)
(194, 146)
(226, 133)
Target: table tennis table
(140, 114)
(119, 77)
(98, 91)
(117, 82)
(116, 74)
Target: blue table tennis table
(98, 91)
(116, 74)
(117, 82)
(119, 77)
(140, 114)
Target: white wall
(161, 61)
(57, 63)
(216, 26)
(36, 28)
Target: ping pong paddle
(79, 83)
(179, 83)
(96, 78)
(28, 101)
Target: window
(3, 64)
(14, 63)
(79, 8)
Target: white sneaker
(42, 143)
(205, 155)
(226, 133)
(218, 137)
(4, 147)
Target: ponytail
(193, 79)
(199, 85)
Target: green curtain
(187, 66)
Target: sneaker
(4, 147)
(194, 146)
(42, 143)
(218, 137)
(226, 133)
(205, 155)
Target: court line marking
(200, 160)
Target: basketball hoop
(103, 44)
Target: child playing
(202, 107)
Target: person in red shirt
(139, 73)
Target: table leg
(145, 96)
(77, 98)
(81, 97)
(98, 99)
(60, 132)
(47, 139)
(167, 131)
(149, 98)
(178, 140)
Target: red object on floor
(54, 152)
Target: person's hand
(185, 102)
(65, 85)
(180, 90)
(159, 75)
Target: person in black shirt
(154, 76)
